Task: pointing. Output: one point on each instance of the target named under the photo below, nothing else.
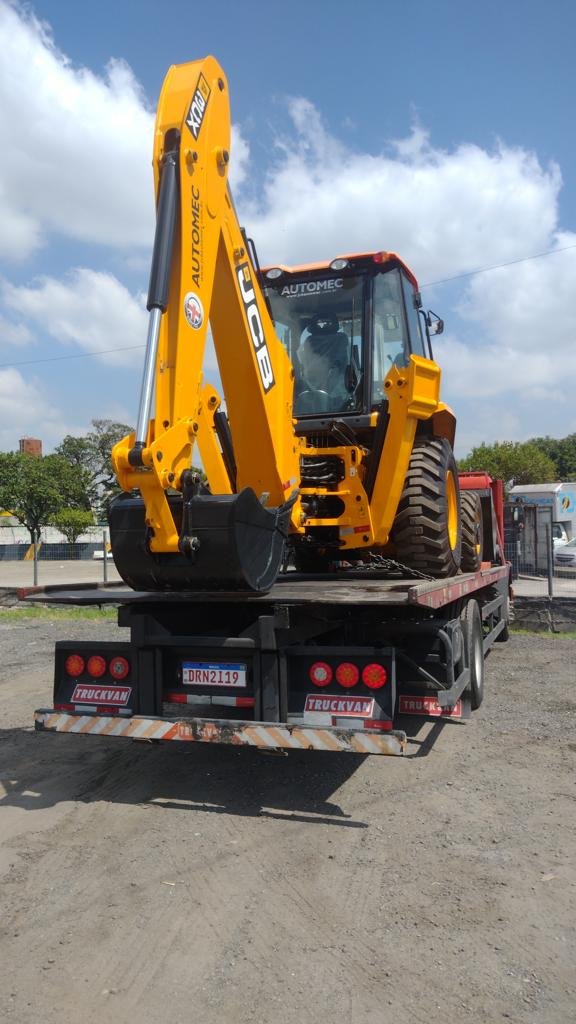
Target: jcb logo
(198, 106)
(255, 325)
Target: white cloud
(21, 233)
(446, 212)
(529, 306)
(13, 334)
(522, 369)
(90, 309)
(239, 158)
(25, 412)
(76, 146)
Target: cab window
(390, 330)
(319, 322)
(413, 317)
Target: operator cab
(344, 325)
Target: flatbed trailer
(327, 663)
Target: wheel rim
(478, 546)
(452, 510)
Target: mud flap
(231, 542)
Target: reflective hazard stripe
(201, 730)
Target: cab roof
(381, 258)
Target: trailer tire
(471, 621)
(427, 533)
(472, 531)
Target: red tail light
(374, 676)
(96, 666)
(74, 665)
(347, 674)
(119, 667)
(320, 673)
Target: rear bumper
(208, 730)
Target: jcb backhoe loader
(332, 438)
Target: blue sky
(440, 129)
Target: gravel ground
(166, 883)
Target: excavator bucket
(228, 542)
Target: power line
(74, 355)
(498, 266)
(428, 284)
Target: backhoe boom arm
(201, 274)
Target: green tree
(521, 462)
(92, 454)
(562, 451)
(35, 488)
(72, 522)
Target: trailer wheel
(472, 531)
(427, 531)
(471, 621)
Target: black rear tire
(427, 532)
(472, 531)
(473, 635)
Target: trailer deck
(345, 588)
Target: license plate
(203, 673)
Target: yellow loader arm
(175, 534)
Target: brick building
(30, 445)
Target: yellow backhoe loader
(330, 440)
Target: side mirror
(434, 324)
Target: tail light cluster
(96, 666)
(347, 674)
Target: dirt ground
(179, 884)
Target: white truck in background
(559, 497)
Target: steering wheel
(311, 401)
(323, 323)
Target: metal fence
(539, 567)
(43, 563)
(528, 546)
